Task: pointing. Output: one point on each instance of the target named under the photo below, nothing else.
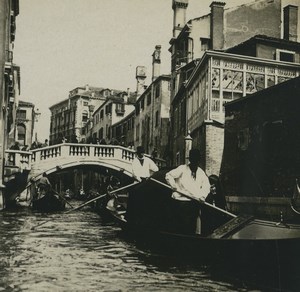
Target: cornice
(241, 58)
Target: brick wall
(214, 148)
(209, 138)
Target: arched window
(21, 133)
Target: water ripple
(80, 252)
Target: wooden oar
(195, 199)
(62, 198)
(88, 202)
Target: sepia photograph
(150, 145)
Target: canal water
(81, 251)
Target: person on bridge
(16, 146)
(193, 181)
(142, 166)
(46, 144)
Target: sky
(64, 44)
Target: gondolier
(47, 199)
(44, 184)
(192, 180)
(142, 168)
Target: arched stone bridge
(53, 158)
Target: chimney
(87, 88)
(128, 94)
(125, 98)
(140, 78)
(290, 23)
(179, 15)
(217, 25)
(156, 62)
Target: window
(149, 99)
(137, 109)
(286, 56)
(101, 114)
(142, 103)
(138, 132)
(106, 93)
(101, 133)
(108, 109)
(204, 44)
(21, 114)
(215, 106)
(156, 119)
(120, 108)
(157, 90)
(85, 116)
(85, 103)
(108, 133)
(21, 134)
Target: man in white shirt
(142, 167)
(191, 180)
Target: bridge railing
(66, 151)
(21, 159)
(82, 150)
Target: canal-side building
(152, 112)
(69, 116)
(221, 77)
(123, 130)
(23, 128)
(261, 160)
(222, 28)
(116, 107)
(9, 79)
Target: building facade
(112, 111)
(152, 112)
(23, 131)
(219, 78)
(220, 29)
(9, 79)
(123, 131)
(69, 117)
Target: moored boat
(224, 235)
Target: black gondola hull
(49, 203)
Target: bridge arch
(84, 163)
(53, 158)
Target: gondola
(48, 202)
(234, 238)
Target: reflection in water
(80, 252)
